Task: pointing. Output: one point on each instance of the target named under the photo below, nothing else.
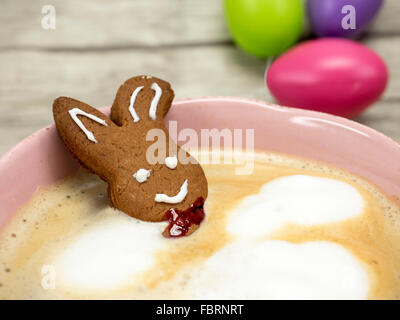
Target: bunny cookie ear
(141, 99)
(85, 131)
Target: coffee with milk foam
(294, 229)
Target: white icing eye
(171, 162)
(141, 175)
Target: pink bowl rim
(259, 103)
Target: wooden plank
(388, 49)
(388, 21)
(384, 116)
(118, 23)
(215, 70)
(132, 24)
(30, 80)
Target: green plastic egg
(265, 28)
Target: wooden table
(98, 44)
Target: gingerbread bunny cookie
(117, 150)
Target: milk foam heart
(109, 253)
(280, 270)
(298, 199)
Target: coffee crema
(294, 229)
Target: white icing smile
(161, 197)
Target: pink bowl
(42, 159)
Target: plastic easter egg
(341, 18)
(264, 27)
(336, 76)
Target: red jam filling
(181, 221)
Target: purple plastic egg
(341, 18)
(336, 76)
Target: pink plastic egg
(336, 76)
